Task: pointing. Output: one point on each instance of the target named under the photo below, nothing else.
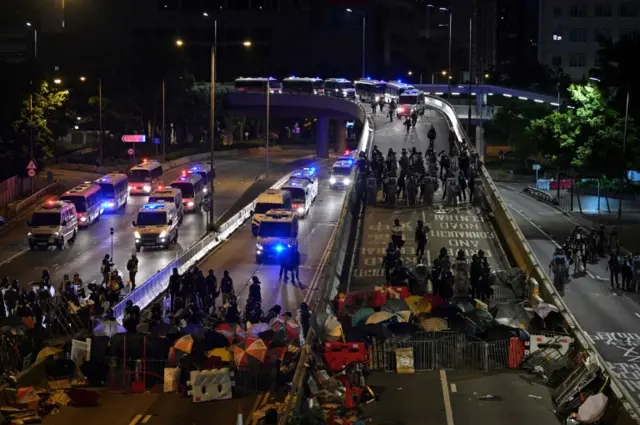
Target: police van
(169, 194)
(409, 101)
(303, 187)
(115, 191)
(156, 224)
(87, 198)
(206, 172)
(53, 224)
(192, 189)
(272, 199)
(144, 177)
(340, 175)
(277, 234)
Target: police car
(156, 225)
(340, 175)
(409, 101)
(52, 224)
(277, 234)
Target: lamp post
(445, 9)
(83, 79)
(470, 72)
(624, 148)
(364, 38)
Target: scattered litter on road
(487, 397)
(537, 397)
(399, 388)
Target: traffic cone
(240, 420)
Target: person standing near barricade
(132, 267)
(174, 287)
(105, 268)
(475, 276)
(421, 239)
(627, 272)
(613, 267)
(396, 234)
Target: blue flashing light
(368, 78)
(279, 248)
(103, 179)
(195, 167)
(400, 81)
(350, 162)
(152, 206)
(183, 179)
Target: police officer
(404, 167)
(255, 291)
(396, 234)
(431, 134)
(613, 266)
(421, 239)
(132, 267)
(475, 274)
(627, 272)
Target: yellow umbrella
(434, 324)
(405, 315)
(46, 352)
(223, 353)
(418, 305)
(382, 316)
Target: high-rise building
(570, 31)
(517, 32)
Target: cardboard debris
(259, 414)
(62, 384)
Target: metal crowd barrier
(526, 260)
(541, 195)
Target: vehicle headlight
(56, 233)
(205, 190)
(163, 234)
(315, 91)
(29, 234)
(346, 180)
(300, 210)
(137, 235)
(332, 180)
(259, 247)
(190, 204)
(83, 219)
(146, 188)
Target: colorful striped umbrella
(232, 331)
(256, 329)
(251, 351)
(287, 326)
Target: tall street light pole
(624, 149)
(364, 39)
(268, 122)
(470, 72)
(164, 124)
(445, 9)
(101, 132)
(212, 132)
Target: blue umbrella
(361, 316)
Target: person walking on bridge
(421, 239)
(396, 234)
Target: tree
(43, 114)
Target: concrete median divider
(541, 195)
(623, 408)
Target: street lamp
(247, 43)
(364, 37)
(57, 81)
(83, 79)
(179, 42)
(100, 131)
(445, 9)
(409, 73)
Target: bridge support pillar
(322, 137)
(480, 146)
(341, 131)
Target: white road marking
(446, 397)
(454, 387)
(534, 225)
(13, 257)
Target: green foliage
(43, 114)
(588, 138)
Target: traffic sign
(32, 165)
(31, 173)
(130, 151)
(134, 138)
(536, 167)
(156, 140)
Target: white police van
(52, 224)
(340, 175)
(277, 235)
(156, 225)
(271, 199)
(409, 101)
(303, 187)
(169, 194)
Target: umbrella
(481, 319)
(381, 316)
(513, 315)
(223, 353)
(405, 315)
(361, 316)
(544, 309)
(195, 330)
(256, 329)
(213, 339)
(418, 305)
(251, 351)
(434, 324)
(287, 326)
(28, 322)
(46, 352)
(162, 329)
(592, 409)
(276, 353)
(232, 331)
(108, 328)
(464, 304)
(395, 305)
(184, 344)
(402, 328)
(333, 329)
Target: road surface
(462, 227)
(237, 254)
(610, 317)
(84, 256)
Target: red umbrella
(249, 352)
(233, 332)
(276, 353)
(287, 326)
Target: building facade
(570, 31)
